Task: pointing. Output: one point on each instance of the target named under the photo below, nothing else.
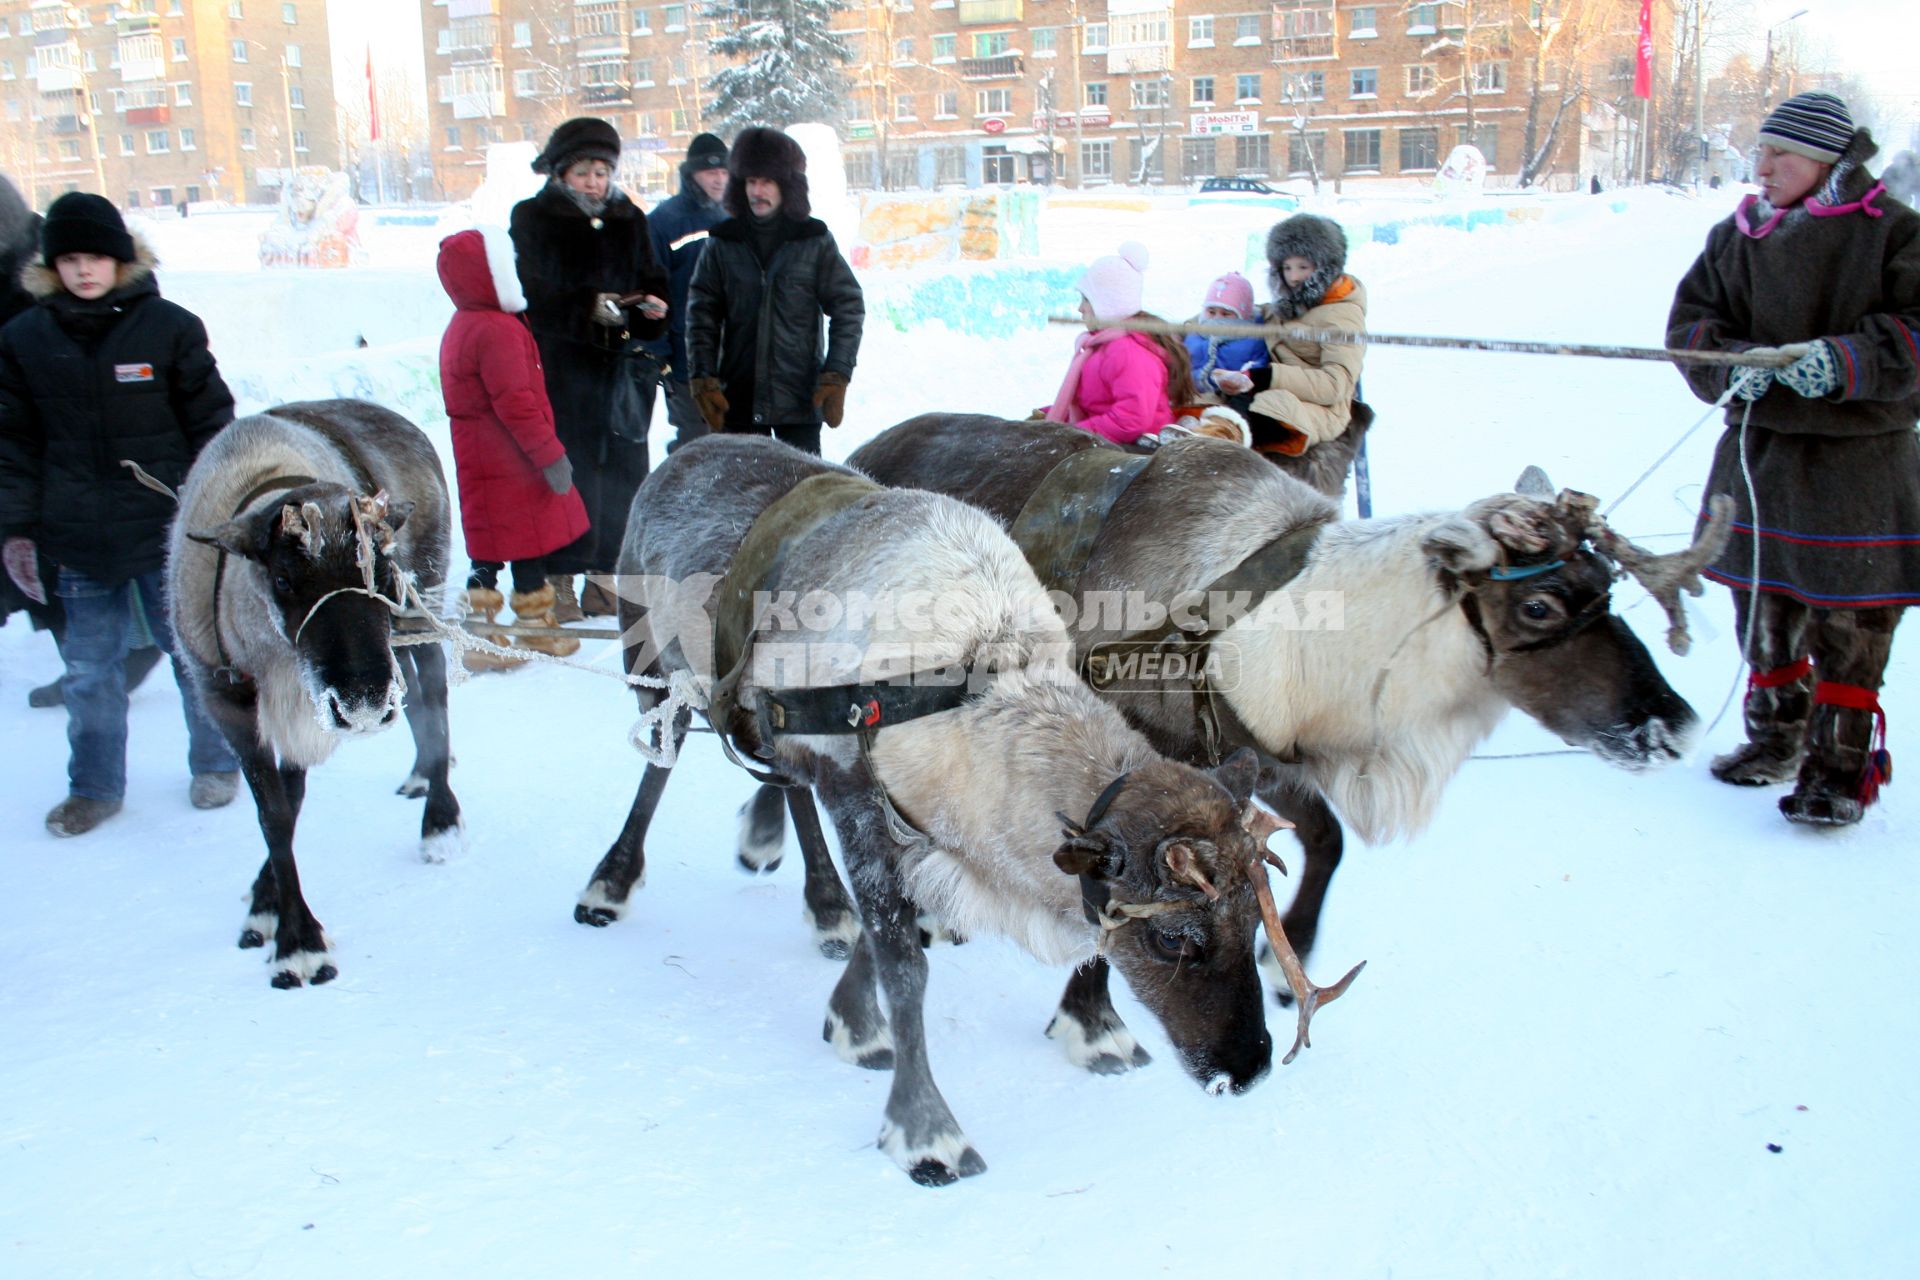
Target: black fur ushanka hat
(768, 153)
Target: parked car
(1251, 191)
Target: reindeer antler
(1184, 866)
(1665, 577)
(1307, 996)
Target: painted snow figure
(1121, 385)
(770, 274)
(1229, 298)
(517, 499)
(101, 369)
(1822, 569)
(1302, 407)
(318, 224)
(582, 246)
(1463, 174)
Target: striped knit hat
(1815, 125)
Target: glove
(23, 566)
(1232, 382)
(1814, 374)
(1750, 383)
(711, 400)
(559, 474)
(830, 397)
(607, 311)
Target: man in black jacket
(679, 227)
(103, 370)
(767, 277)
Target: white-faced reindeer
(295, 526)
(961, 811)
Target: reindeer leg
(763, 831)
(604, 900)
(1089, 1028)
(856, 1027)
(1286, 789)
(300, 946)
(830, 911)
(920, 1132)
(425, 669)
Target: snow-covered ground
(1593, 999)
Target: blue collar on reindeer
(1515, 572)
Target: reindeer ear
(1238, 773)
(1092, 855)
(1460, 545)
(1533, 483)
(237, 537)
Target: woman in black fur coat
(582, 245)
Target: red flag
(1643, 62)
(373, 102)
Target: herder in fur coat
(769, 274)
(1822, 257)
(582, 245)
(1303, 411)
(100, 371)
(518, 503)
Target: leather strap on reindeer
(226, 672)
(1063, 516)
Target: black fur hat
(581, 138)
(768, 153)
(1320, 241)
(81, 222)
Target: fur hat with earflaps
(768, 153)
(581, 138)
(1320, 241)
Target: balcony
(1004, 66)
(975, 12)
(601, 94)
(149, 115)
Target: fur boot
(487, 603)
(484, 601)
(536, 608)
(566, 605)
(1847, 761)
(1779, 703)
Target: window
(1419, 149)
(1096, 160)
(903, 107)
(1149, 93)
(1045, 41)
(1305, 86)
(949, 165)
(903, 49)
(1490, 77)
(1306, 153)
(642, 22)
(1146, 160)
(289, 14)
(6, 68)
(1364, 82)
(675, 17)
(157, 142)
(1246, 29)
(179, 49)
(1096, 91)
(993, 102)
(1420, 80)
(1423, 19)
(643, 73)
(299, 139)
(680, 120)
(162, 197)
(991, 44)
(1253, 154)
(126, 144)
(1096, 38)
(1199, 158)
(193, 193)
(186, 140)
(1362, 25)
(1202, 91)
(526, 84)
(1246, 88)
(946, 106)
(522, 35)
(242, 94)
(293, 55)
(996, 166)
(943, 47)
(297, 97)
(183, 94)
(1363, 150)
(453, 137)
(1486, 137)
(235, 10)
(1199, 33)
(239, 50)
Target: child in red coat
(517, 500)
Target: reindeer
(298, 528)
(1448, 620)
(974, 812)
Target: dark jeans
(100, 628)
(683, 414)
(528, 575)
(804, 436)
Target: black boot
(1777, 708)
(1847, 761)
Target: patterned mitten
(1813, 374)
(1750, 383)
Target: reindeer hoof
(413, 788)
(252, 938)
(753, 868)
(598, 917)
(325, 973)
(936, 1173)
(286, 980)
(835, 948)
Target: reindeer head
(321, 557)
(1534, 572)
(1163, 860)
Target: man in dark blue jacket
(679, 229)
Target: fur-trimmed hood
(768, 153)
(477, 269)
(1849, 179)
(43, 281)
(1320, 241)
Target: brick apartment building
(153, 102)
(983, 92)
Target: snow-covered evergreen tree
(786, 63)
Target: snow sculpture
(1464, 173)
(318, 225)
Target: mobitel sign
(1205, 122)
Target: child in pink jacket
(1121, 385)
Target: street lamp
(1766, 65)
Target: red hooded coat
(496, 397)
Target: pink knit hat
(1232, 292)
(1114, 284)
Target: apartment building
(155, 102)
(985, 92)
